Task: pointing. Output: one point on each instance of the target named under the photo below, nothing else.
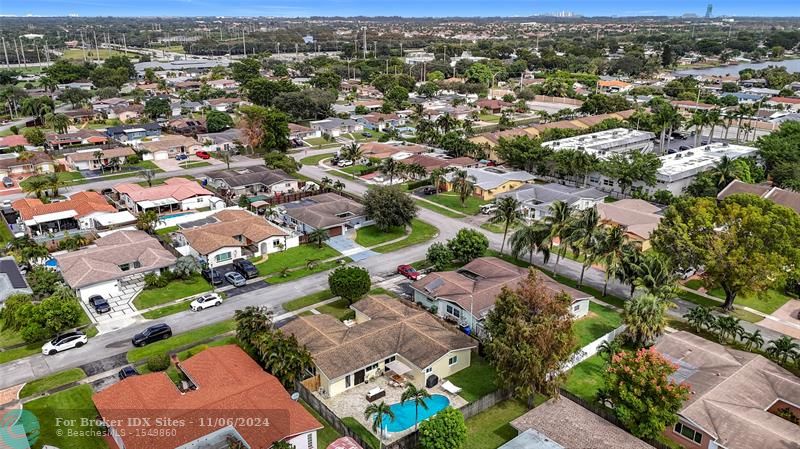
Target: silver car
(236, 279)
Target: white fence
(591, 349)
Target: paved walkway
(786, 317)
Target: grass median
(181, 340)
(420, 232)
(48, 383)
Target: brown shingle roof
(231, 224)
(109, 153)
(393, 328)
(777, 195)
(638, 217)
(325, 210)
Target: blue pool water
(404, 412)
(51, 263)
(178, 214)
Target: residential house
(187, 126)
(31, 163)
(228, 140)
(225, 104)
(387, 335)
(184, 107)
(467, 295)
(112, 263)
(255, 180)
(76, 85)
(335, 127)
(73, 214)
(168, 146)
(80, 137)
(492, 181)
(80, 115)
(234, 233)
(12, 281)
(369, 104)
(328, 211)
(395, 150)
(787, 103)
(188, 85)
(431, 162)
(613, 86)
(377, 121)
(535, 199)
(688, 107)
(493, 106)
(125, 113)
(229, 398)
(14, 140)
(176, 194)
(777, 195)
(734, 396)
(88, 159)
(637, 217)
(224, 84)
(133, 133)
(109, 103)
(300, 132)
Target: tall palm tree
(378, 413)
(318, 236)
(446, 123)
(438, 177)
(391, 168)
(655, 273)
(59, 122)
(714, 119)
(418, 395)
(698, 120)
(325, 182)
(464, 184)
(752, 340)
(532, 238)
(414, 171)
(54, 182)
(584, 237)
(646, 318)
(612, 252)
(507, 213)
(559, 220)
(338, 186)
(98, 156)
(628, 269)
(35, 185)
(352, 152)
(783, 348)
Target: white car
(65, 341)
(205, 301)
(345, 163)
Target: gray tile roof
(241, 177)
(326, 210)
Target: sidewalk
(747, 309)
(438, 205)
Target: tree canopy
(389, 207)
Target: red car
(203, 155)
(409, 272)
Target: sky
(407, 8)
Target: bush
(468, 244)
(158, 362)
(417, 184)
(152, 280)
(445, 430)
(350, 283)
(439, 255)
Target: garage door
(333, 232)
(161, 155)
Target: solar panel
(10, 269)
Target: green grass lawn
(176, 289)
(184, 339)
(314, 160)
(371, 235)
(316, 141)
(439, 210)
(498, 228)
(77, 54)
(586, 378)
(72, 406)
(328, 434)
(340, 309)
(366, 435)
(472, 205)
(420, 232)
(159, 181)
(303, 272)
(598, 322)
(767, 302)
(67, 177)
(18, 353)
(354, 169)
(710, 303)
(55, 380)
(295, 257)
(489, 118)
(194, 164)
(167, 310)
(307, 300)
(491, 428)
(167, 230)
(476, 381)
(9, 337)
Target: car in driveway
(65, 341)
(409, 272)
(205, 301)
(245, 268)
(100, 304)
(203, 155)
(127, 372)
(8, 182)
(488, 209)
(153, 333)
(344, 163)
(429, 190)
(182, 157)
(235, 279)
(212, 276)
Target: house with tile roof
(256, 180)
(76, 213)
(734, 396)
(387, 335)
(107, 267)
(176, 194)
(492, 181)
(89, 159)
(229, 397)
(26, 163)
(777, 195)
(328, 211)
(232, 234)
(168, 146)
(535, 199)
(637, 217)
(79, 137)
(467, 295)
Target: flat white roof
(697, 160)
(115, 218)
(46, 218)
(156, 203)
(611, 140)
(133, 130)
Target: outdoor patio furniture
(450, 388)
(375, 394)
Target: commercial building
(605, 143)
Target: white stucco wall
(104, 289)
(306, 440)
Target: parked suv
(153, 333)
(99, 303)
(246, 268)
(65, 341)
(212, 276)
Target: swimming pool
(404, 412)
(177, 214)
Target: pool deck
(353, 402)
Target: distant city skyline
(408, 8)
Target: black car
(99, 303)
(153, 333)
(212, 276)
(245, 268)
(126, 372)
(684, 147)
(429, 191)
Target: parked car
(8, 182)
(489, 208)
(127, 372)
(6, 203)
(65, 341)
(203, 155)
(409, 272)
(99, 303)
(205, 301)
(211, 275)
(182, 157)
(366, 134)
(235, 279)
(344, 163)
(429, 191)
(153, 333)
(245, 268)
(684, 147)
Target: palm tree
(507, 213)
(35, 185)
(446, 122)
(325, 182)
(98, 156)
(728, 327)
(608, 349)
(48, 83)
(438, 176)
(378, 413)
(352, 152)
(783, 348)
(700, 317)
(646, 318)
(463, 184)
(148, 176)
(318, 236)
(699, 119)
(714, 119)
(59, 122)
(533, 238)
(612, 252)
(418, 395)
(54, 182)
(752, 340)
(32, 253)
(628, 269)
(655, 273)
(338, 186)
(559, 222)
(725, 171)
(415, 170)
(390, 167)
(146, 221)
(584, 237)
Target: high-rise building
(708, 10)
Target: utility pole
(5, 52)
(375, 50)
(83, 45)
(22, 52)
(96, 48)
(244, 45)
(46, 52)
(365, 42)
(124, 44)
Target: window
(608, 182)
(125, 267)
(347, 381)
(388, 361)
(311, 440)
(453, 360)
(688, 433)
(137, 264)
(428, 370)
(223, 257)
(453, 311)
(374, 366)
(576, 307)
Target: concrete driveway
(171, 165)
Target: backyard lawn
(767, 302)
(491, 428)
(366, 435)
(420, 232)
(306, 271)
(295, 257)
(598, 322)
(472, 205)
(371, 235)
(184, 339)
(5, 233)
(476, 381)
(55, 380)
(314, 141)
(328, 434)
(489, 118)
(586, 378)
(307, 300)
(176, 289)
(72, 407)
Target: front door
(358, 377)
